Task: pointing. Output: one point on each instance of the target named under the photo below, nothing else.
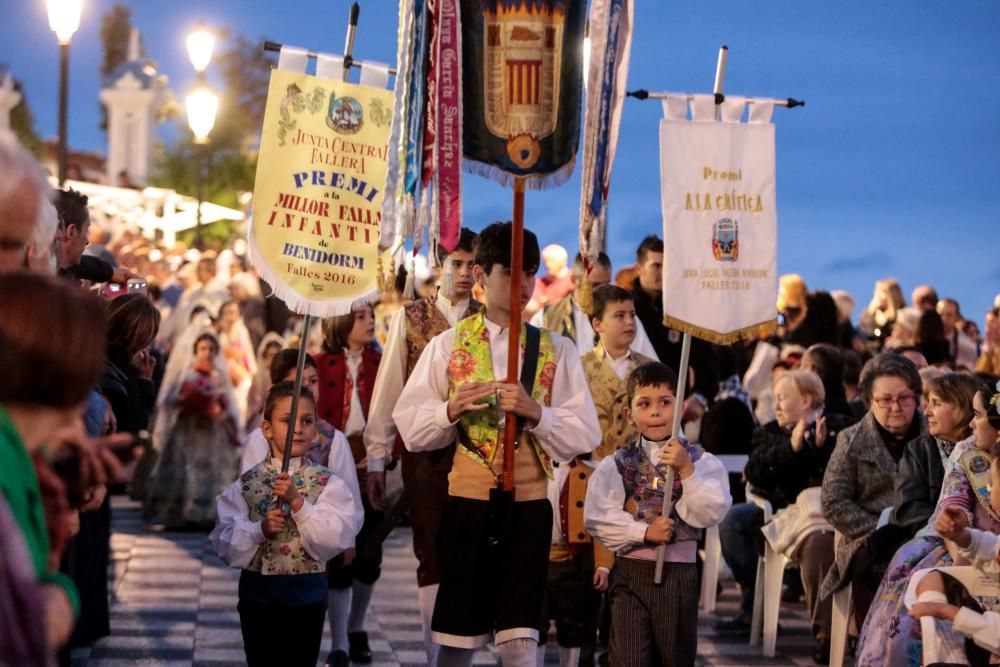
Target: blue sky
(890, 170)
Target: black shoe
(737, 626)
(360, 652)
(821, 656)
(337, 659)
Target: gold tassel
(379, 276)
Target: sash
(977, 469)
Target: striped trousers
(653, 624)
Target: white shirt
(704, 500)
(356, 418)
(327, 527)
(380, 432)
(619, 366)
(585, 333)
(340, 461)
(984, 629)
(568, 426)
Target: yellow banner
(318, 193)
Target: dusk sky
(891, 169)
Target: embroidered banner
(522, 87)
(719, 225)
(318, 193)
(611, 43)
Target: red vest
(332, 371)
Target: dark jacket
(667, 343)
(918, 483)
(90, 268)
(778, 473)
(131, 398)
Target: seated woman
(858, 483)
(890, 636)
(786, 466)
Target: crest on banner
(345, 115)
(523, 63)
(726, 240)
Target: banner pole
(307, 323)
(514, 330)
(682, 372)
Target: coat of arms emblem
(345, 115)
(726, 240)
(522, 65)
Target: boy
(425, 474)
(493, 579)
(567, 318)
(281, 528)
(654, 624)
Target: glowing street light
(202, 105)
(64, 19)
(200, 45)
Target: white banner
(719, 227)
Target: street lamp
(202, 104)
(64, 19)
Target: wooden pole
(307, 323)
(682, 372)
(514, 331)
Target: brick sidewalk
(174, 603)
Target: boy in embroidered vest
(458, 392)
(567, 318)
(425, 474)
(282, 592)
(654, 624)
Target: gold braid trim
(585, 295)
(752, 331)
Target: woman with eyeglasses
(931, 468)
(859, 479)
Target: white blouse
(568, 426)
(704, 500)
(327, 527)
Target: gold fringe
(762, 329)
(379, 276)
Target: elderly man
(25, 233)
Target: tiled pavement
(174, 603)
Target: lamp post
(202, 104)
(64, 19)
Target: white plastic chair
(975, 581)
(839, 626)
(759, 596)
(734, 463)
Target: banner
(318, 193)
(719, 226)
(611, 42)
(522, 87)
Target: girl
(889, 635)
(269, 346)
(280, 528)
(234, 340)
(197, 435)
(346, 371)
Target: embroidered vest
(558, 317)
(285, 554)
(472, 361)
(423, 322)
(608, 392)
(644, 488)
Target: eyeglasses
(902, 402)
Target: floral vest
(423, 322)
(285, 554)
(644, 488)
(472, 361)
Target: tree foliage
(22, 122)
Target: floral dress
(200, 457)
(890, 636)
